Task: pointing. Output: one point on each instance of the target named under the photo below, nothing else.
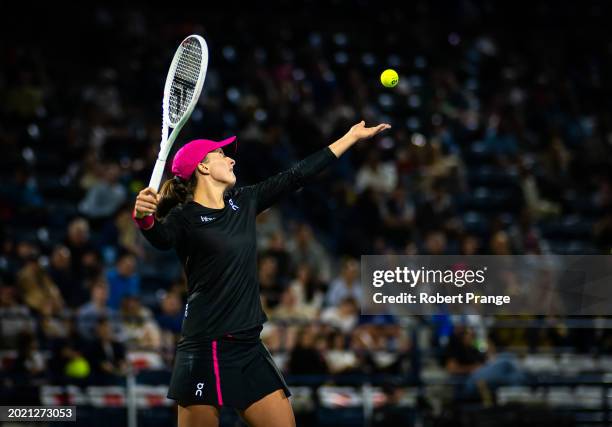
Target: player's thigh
(198, 416)
(274, 410)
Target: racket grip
(158, 172)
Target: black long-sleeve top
(217, 250)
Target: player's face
(221, 167)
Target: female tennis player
(220, 359)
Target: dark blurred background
(501, 144)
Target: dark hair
(173, 192)
(97, 281)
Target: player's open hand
(360, 131)
(146, 202)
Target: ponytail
(173, 192)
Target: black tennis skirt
(233, 371)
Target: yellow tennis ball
(389, 78)
(77, 368)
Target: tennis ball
(389, 78)
(77, 368)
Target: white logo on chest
(206, 218)
(233, 205)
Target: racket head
(185, 81)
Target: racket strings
(185, 80)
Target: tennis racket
(183, 87)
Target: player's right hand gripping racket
(183, 87)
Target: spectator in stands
(170, 320)
(270, 286)
(504, 337)
(97, 308)
(78, 241)
(289, 310)
(406, 161)
(123, 280)
(276, 249)
(304, 248)
(305, 358)
(15, 318)
(60, 271)
(308, 291)
(92, 265)
(482, 372)
(120, 233)
(500, 244)
(398, 216)
(538, 206)
(436, 211)
(379, 332)
(179, 287)
(39, 292)
(461, 356)
(138, 325)
(441, 168)
(129, 238)
(378, 176)
(51, 325)
(30, 364)
(502, 369)
(500, 138)
(106, 356)
(556, 163)
(339, 358)
(268, 223)
(25, 190)
(170, 317)
(382, 346)
(470, 245)
(288, 317)
(365, 223)
(106, 196)
(345, 285)
(90, 168)
(525, 237)
(25, 251)
(344, 316)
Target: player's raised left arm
(272, 189)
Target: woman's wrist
(343, 144)
(145, 222)
(356, 133)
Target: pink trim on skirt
(217, 377)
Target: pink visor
(187, 158)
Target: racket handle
(158, 172)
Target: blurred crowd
(500, 144)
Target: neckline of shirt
(206, 208)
